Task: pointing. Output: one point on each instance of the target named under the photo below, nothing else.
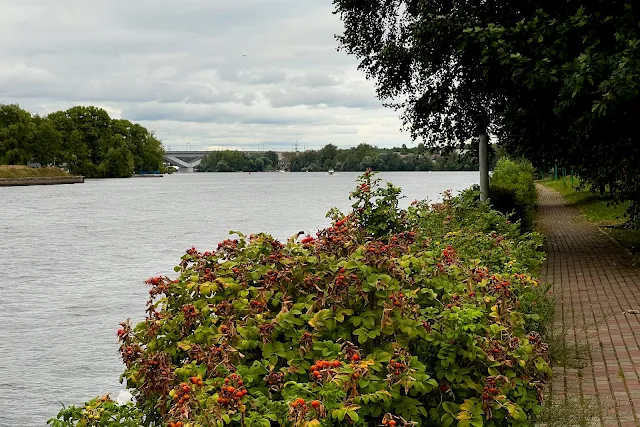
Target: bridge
(187, 161)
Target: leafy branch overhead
(556, 81)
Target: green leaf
(450, 407)
(450, 375)
(369, 322)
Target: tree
(85, 138)
(223, 166)
(273, 158)
(591, 62)
(118, 163)
(571, 71)
(16, 135)
(329, 152)
(48, 149)
(413, 52)
(556, 80)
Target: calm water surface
(73, 259)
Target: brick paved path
(594, 286)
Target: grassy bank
(12, 171)
(599, 211)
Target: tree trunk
(483, 154)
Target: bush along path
(389, 317)
(598, 298)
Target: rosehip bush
(98, 412)
(388, 317)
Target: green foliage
(556, 82)
(377, 207)
(575, 67)
(98, 412)
(118, 163)
(27, 172)
(358, 158)
(394, 317)
(511, 190)
(365, 157)
(233, 161)
(416, 54)
(85, 139)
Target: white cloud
(241, 74)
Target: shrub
(102, 412)
(511, 190)
(388, 317)
(14, 171)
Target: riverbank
(18, 182)
(598, 211)
(14, 175)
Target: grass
(576, 411)
(600, 211)
(12, 171)
(563, 352)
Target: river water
(73, 259)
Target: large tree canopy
(556, 81)
(86, 139)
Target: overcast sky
(210, 73)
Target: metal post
(483, 154)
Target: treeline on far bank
(83, 140)
(365, 156)
(354, 159)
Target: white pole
(484, 166)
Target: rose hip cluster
(299, 402)
(497, 285)
(455, 300)
(258, 306)
(378, 248)
(491, 389)
(324, 368)
(299, 409)
(389, 421)
(159, 286)
(342, 280)
(449, 255)
(307, 240)
(181, 394)
(397, 299)
(232, 392)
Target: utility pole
(483, 154)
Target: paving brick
(595, 284)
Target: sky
(200, 74)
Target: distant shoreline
(41, 180)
